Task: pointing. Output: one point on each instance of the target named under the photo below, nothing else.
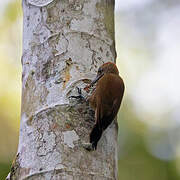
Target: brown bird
(105, 100)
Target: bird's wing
(109, 116)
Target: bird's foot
(88, 146)
(80, 96)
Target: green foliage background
(136, 159)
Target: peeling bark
(64, 43)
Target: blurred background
(147, 44)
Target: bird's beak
(96, 79)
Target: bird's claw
(79, 91)
(88, 146)
(80, 96)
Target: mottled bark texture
(64, 42)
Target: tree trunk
(64, 42)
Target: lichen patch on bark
(39, 3)
(70, 137)
(67, 75)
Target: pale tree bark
(64, 42)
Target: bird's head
(106, 68)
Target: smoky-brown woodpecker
(105, 100)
